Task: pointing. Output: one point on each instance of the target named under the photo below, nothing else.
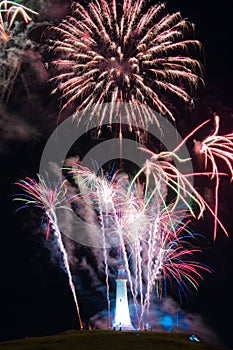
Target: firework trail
(40, 195)
(104, 194)
(124, 52)
(212, 147)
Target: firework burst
(124, 52)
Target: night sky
(35, 296)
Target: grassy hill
(109, 340)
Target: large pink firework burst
(123, 51)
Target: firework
(107, 197)
(161, 169)
(41, 195)
(151, 235)
(153, 232)
(138, 216)
(9, 10)
(12, 51)
(212, 147)
(169, 259)
(124, 52)
(163, 174)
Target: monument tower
(122, 319)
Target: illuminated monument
(122, 318)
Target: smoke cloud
(15, 128)
(165, 316)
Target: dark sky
(35, 296)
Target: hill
(109, 340)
